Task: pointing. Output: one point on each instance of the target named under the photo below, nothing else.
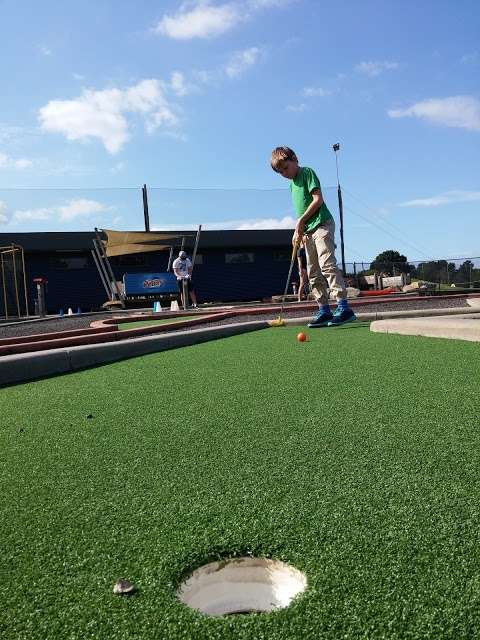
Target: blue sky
(190, 98)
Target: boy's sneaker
(341, 316)
(321, 319)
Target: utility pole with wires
(336, 148)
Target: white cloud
(101, 114)
(120, 166)
(23, 163)
(375, 68)
(12, 134)
(297, 108)
(27, 215)
(447, 198)
(78, 76)
(311, 92)
(178, 85)
(202, 19)
(456, 111)
(85, 118)
(267, 4)
(45, 50)
(203, 76)
(75, 208)
(473, 56)
(80, 208)
(237, 64)
(287, 222)
(6, 162)
(240, 61)
(3, 211)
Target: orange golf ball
(301, 337)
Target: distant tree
(391, 262)
(465, 272)
(436, 271)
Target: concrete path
(381, 315)
(460, 327)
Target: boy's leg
(324, 238)
(318, 285)
(314, 271)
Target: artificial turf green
(353, 456)
(148, 323)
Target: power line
(386, 231)
(387, 222)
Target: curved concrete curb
(28, 366)
(462, 327)
(381, 315)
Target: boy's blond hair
(280, 154)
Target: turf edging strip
(28, 366)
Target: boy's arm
(316, 203)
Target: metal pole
(100, 263)
(25, 283)
(336, 148)
(102, 276)
(196, 246)
(145, 208)
(170, 261)
(107, 263)
(4, 288)
(15, 280)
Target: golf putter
(279, 321)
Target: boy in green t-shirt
(316, 226)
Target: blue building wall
(215, 280)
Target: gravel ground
(80, 322)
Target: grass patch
(353, 456)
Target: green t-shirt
(301, 188)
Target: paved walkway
(459, 327)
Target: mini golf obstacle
(137, 290)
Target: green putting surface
(355, 457)
(148, 323)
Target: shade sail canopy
(119, 243)
(124, 249)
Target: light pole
(336, 148)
